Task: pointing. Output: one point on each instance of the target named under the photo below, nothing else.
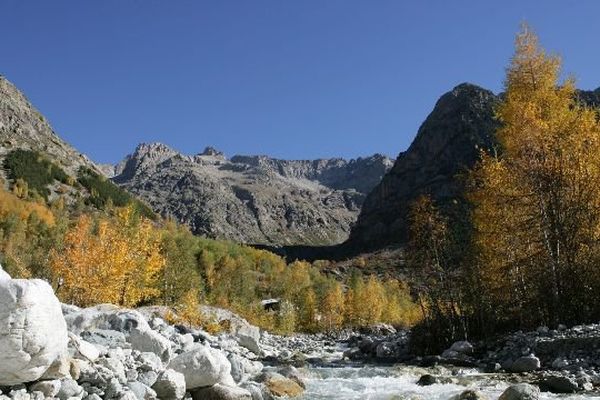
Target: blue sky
(292, 79)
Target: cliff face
(23, 127)
(253, 199)
(447, 143)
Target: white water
(394, 383)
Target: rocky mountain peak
(211, 151)
(253, 199)
(447, 143)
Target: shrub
(35, 170)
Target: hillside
(36, 163)
(24, 127)
(253, 199)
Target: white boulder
(33, 332)
(203, 366)
(170, 385)
(147, 340)
(246, 334)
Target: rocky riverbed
(50, 350)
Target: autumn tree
(332, 307)
(114, 260)
(537, 198)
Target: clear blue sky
(292, 79)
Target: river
(399, 383)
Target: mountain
(37, 164)
(253, 199)
(23, 127)
(446, 145)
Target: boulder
(103, 316)
(221, 392)
(279, 385)
(148, 340)
(525, 364)
(291, 372)
(242, 368)
(69, 389)
(33, 333)
(170, 385)
(242, 331)
(462, 346)
(203, 366)
(521, 391)
(559, 384)
(82, 349)
(141, 391)
(470, 395)
(457, 349)
(47, 388)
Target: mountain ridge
(252, 199)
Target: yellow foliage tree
(113, 261)
(333, 307)
(537, 201)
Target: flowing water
(399, 383)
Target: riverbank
(57, 351)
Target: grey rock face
(447, 144)
(23, 127)
(253, 199)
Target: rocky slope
(23, 127)
(446, 145)
(253, 199)
(54, 351)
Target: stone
(203, 366)
(33, 333)
(221, 392)
(521, 391)
(242, 331)
(60, 368)
(427, 379)
(170, 385)
(107, 338)
(141, 391)
(470, 395)
(152, 341)
(47, 388)
(258, 391)
(292, 373)
(83, 349)
(279, 385)
(463, 347)
(560, 363)
(69, 389)
(148, 378)
(559, 384)
(149, 362)
(525, 364)
(243, 368)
